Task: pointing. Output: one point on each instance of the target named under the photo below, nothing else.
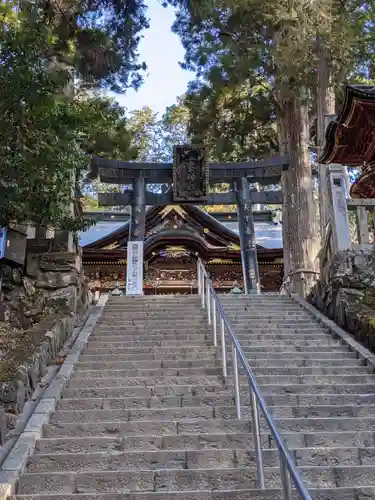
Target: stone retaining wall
(344, 294)
(43, 304)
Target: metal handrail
(288, 470)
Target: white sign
(341, 228)
(134, 268)
(3, 240)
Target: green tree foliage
(38, 148)
(98, 39)
(275, 45)
(48, 132)
(236, 122)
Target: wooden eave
(350, 139)
(117, 255)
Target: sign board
(190, 174)
(134, 270)
(341, 227)
(3, 240)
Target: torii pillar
(134, 269)
(249, 256)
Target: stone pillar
(339, 209)
(247, 237)
(134, 274)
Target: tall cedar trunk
(284, 149)
(325, 106)
(300, 240)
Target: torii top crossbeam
(120, 172)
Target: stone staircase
(148, 416)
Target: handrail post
(223, 349)
(202, 290)
(199, 276)
(208, 291)
(285, 478)
(257, 439)
(202, 278)
(214, 322)
(236, 382)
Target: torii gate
(188, 178)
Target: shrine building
(175, 236)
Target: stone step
(329, 388)
(152, 337)
(295, 329)
(253, 335)
(287, 349)
(258, 359)
(170, 372)
(103, 379)
(155, 309)
(202, 419)
(142, 324)
(270, 316)
(153, 299)
(185, 330)
(243, 308)
(197, 390)
(365, 493)
(202, 342)
(264, 297)
(119, 369)
(265, 323)
(118, 413)
(301, 361)
(188, 480)
(150, 330)
(309, 411)
(193, 459)
(296, 341)
(128, 365)
(102, 347)
(134, 414)
(143, 381)
(199, 341)
(148, 356)
(150, 402)
(167, 315)
(129, 320)
(111, 400)
(331, 353)
(139, 391)
(210, 375)
(191, 337)
(170, 352)
(68, 438)
(145, 428)
(114, 443)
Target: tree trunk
(284, 149)
(300, 239)
(325, 106)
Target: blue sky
(161, 50)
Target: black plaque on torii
(190, 174)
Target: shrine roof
(217, 234)
(350, 139)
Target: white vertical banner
(134, 268)
(341, 227)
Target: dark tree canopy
(99, 38)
